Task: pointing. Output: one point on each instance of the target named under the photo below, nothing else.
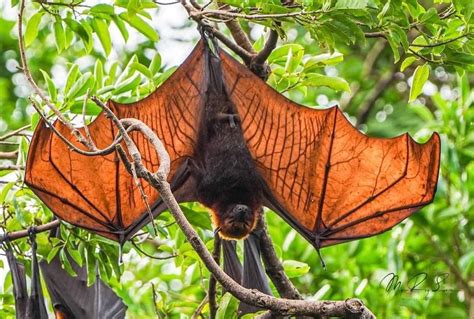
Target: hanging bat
(236, 145)
(32, 305)
(72, 298)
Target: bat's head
(235, 221)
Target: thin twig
(228, 14)
(432, 45)
(241, 52)
(18, 131)
(11, 168)
(237, 32)
(38, 91)
(216, 254)
(199, 309)
(151, 256)
(9, 155)
(86, 127)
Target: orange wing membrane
(329, 181)
(325, 178)
(97, 193)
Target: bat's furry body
(226, 176)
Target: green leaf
(128, 84)
(420, 76)
(103, 8)
(351, 4)
(98, 74)
(34, 120)
(82, 30)
(197, 218)
(91, 107)
(6, 189)
(407, 62)
(102, 30)
(295, 268)
(59, 35)
(466, 263)
(393, 41)
(71, 77)
(280, 54)
(142, 69)
(121, 26)
(227, 307)
(141, 25)
(52, 253)
(335, 83)
(31, 32)
(81, 85)
(75, 255)
(53, 93)
(66, 264)
(91, 263)
(155, 64)
(322, 60)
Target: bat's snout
(241, 212)
(236, 222)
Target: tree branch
(9, 155)
(24, 233)
(194, 14)
(368, 104)
(216, 254)
(33, 84)
(270, 45)
(274, 268)
(238, 34)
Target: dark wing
(72, 298)
(328, 180)
(20, 292)
(35, 307)
(97, 193)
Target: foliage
(393, 66)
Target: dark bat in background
(72, 299)
(237, 145)
(27, 306)
(70, 296)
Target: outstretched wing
(97, 192)
(328, 180)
